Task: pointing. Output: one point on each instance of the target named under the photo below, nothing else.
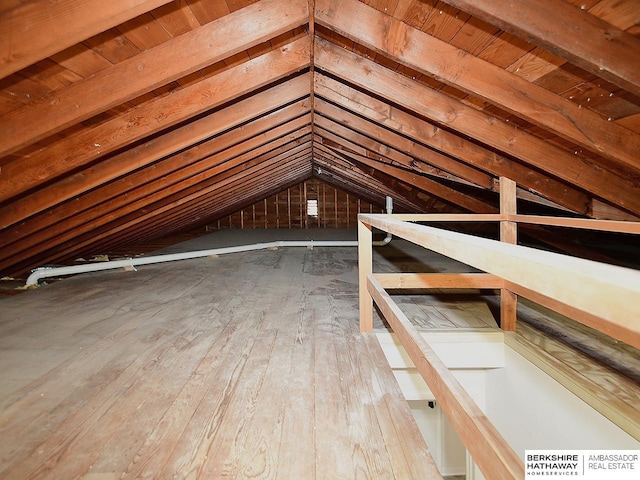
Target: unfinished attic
(337, 239)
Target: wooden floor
(242, 366)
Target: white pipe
(386, 240)
(44, 272)
(389, 205)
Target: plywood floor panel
(242, 366)
(406, 462)
(298, 453)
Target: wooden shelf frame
(595, 294)
(612, 226)
(598, 295)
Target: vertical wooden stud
(253, 216)
(335, 206)
(508, 234)
(324, 205)
(304, 205)
(289, 205)
(365, 268)
(348, 213)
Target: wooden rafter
(34, 30)
(478, 125)
(145, 186)
(126, 197)
(453, 145)
(215, 205)
(427, 54)
(170, 112)
(428, 185)
(79, 149)
(564, 33)
(334, 133)
(349, 173)
(151, 151)
(334, 168)
(142, 73)
(204, 208)
(408, 153)
(97, 238)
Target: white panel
(533, 411)
(412, 385)
(457, 349)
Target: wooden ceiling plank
(148, 70)
(357, 179)
(77, 150)
(474, 36)
(169, 200)
(432, 158)
(190, 213)
(334, 152)
(434, 57)
(242, 186)
(50, 75)
(414, 13)
(449, 143)
(112, 45)
(37, 29)
(165, 145)
(443, 192)
(81, 60)
(368, 147)
(406, 197)
(144, 32)
(428, 185)
(208, 10)
(176, 18)
(504, 49)
(484, 128)
(118, 198)
(535, 64)
(623, 15)
(444, 22)
(368, 190)
(562, 28)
